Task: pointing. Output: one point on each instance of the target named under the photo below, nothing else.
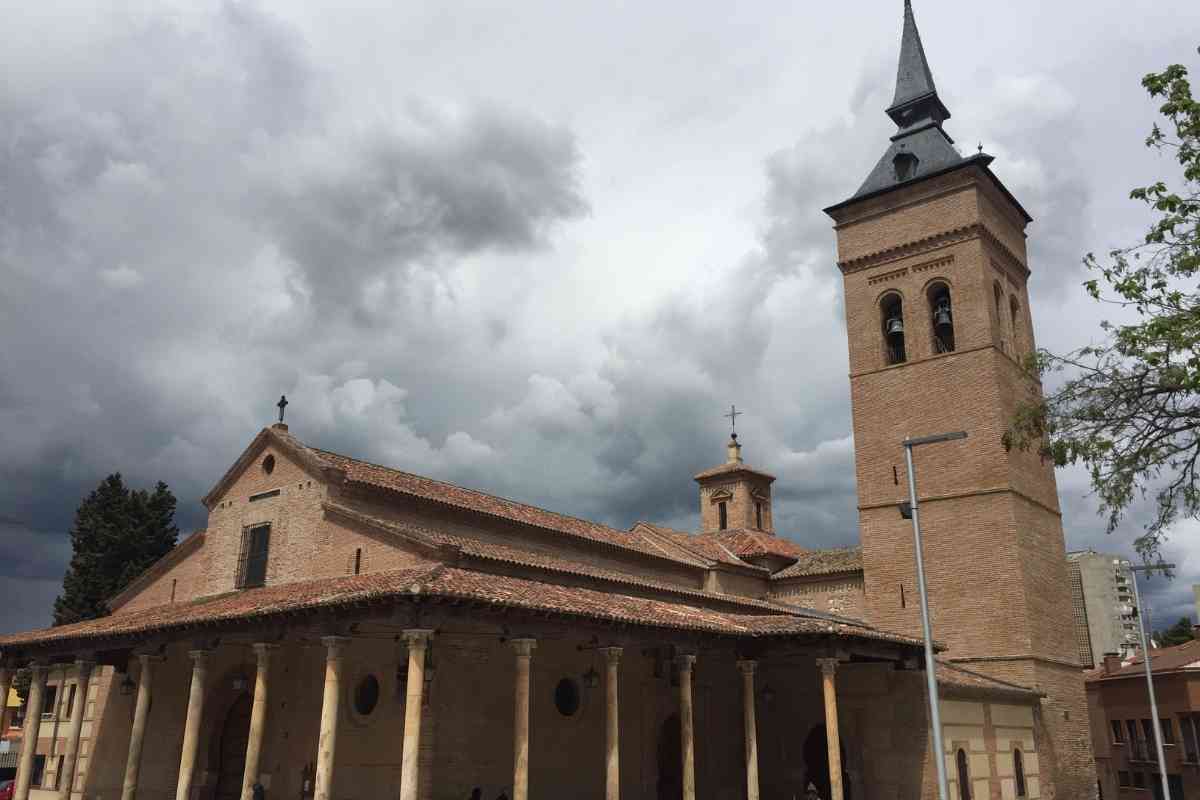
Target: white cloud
(122, 277)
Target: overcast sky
(536, 248)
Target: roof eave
(981, 160)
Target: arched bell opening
(892, 316)
(1015, 318)
(941, 317)
(998, 297)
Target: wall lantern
(591, 678)
(127, 685)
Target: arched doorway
(670, 760)
(816, 763)
(231, 750)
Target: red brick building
(1121, 723)
(345, 631)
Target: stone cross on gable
(281, 405)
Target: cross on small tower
(732, 417)
(281, 405)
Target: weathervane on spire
(281, 405)
(732, 417)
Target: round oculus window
(566, 697)
(366, 695)
(268, 464)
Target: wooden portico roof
(440, 582)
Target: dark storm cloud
(173, 201)
(448, 184)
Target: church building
(341, 630)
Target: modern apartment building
(1102, 605)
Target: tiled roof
(439, 491)
(753, 543)
(439, 581)
(823, 562)
(729, 468)
(953, 675)
(704, 547)
(1162, 659)
(557, 562)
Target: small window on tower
(942, 318)
(905, 165)
(892, 308)
(758, 515)
(723, 515)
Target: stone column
(33, 725)
(191, 726)
(414, 694)
(687, 734)
(828, 670)
(6, 681)
(524, 648)
(137, 735)
(258, 718)
(327, 742)
(746, 667)
(66, 775)
(612, 728)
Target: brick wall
(836, 594)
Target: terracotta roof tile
(560, 563)
(469, 499)
(702, 546)
(959, 677)
(1162, 659)
(438, 581)
(727, 468)
(753, 543)
(823, 562)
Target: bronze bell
(941, 315)
(895, 326)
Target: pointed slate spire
(921, 146)
(916, 98)
(913, 77)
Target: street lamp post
(935, 715)
(1155, 723)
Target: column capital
(150, 658)
(417, 637)
(262, 650)
(84, 666)
(612, 654)
(334, 645)
(524, 646)
(36, 669)
(199, 656)
(828, 666)
(746, 666)
(685, 661)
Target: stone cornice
(933, 242)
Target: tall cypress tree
(116, 535)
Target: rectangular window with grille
(252, 564)
(1118, 733)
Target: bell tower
(932, 252)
